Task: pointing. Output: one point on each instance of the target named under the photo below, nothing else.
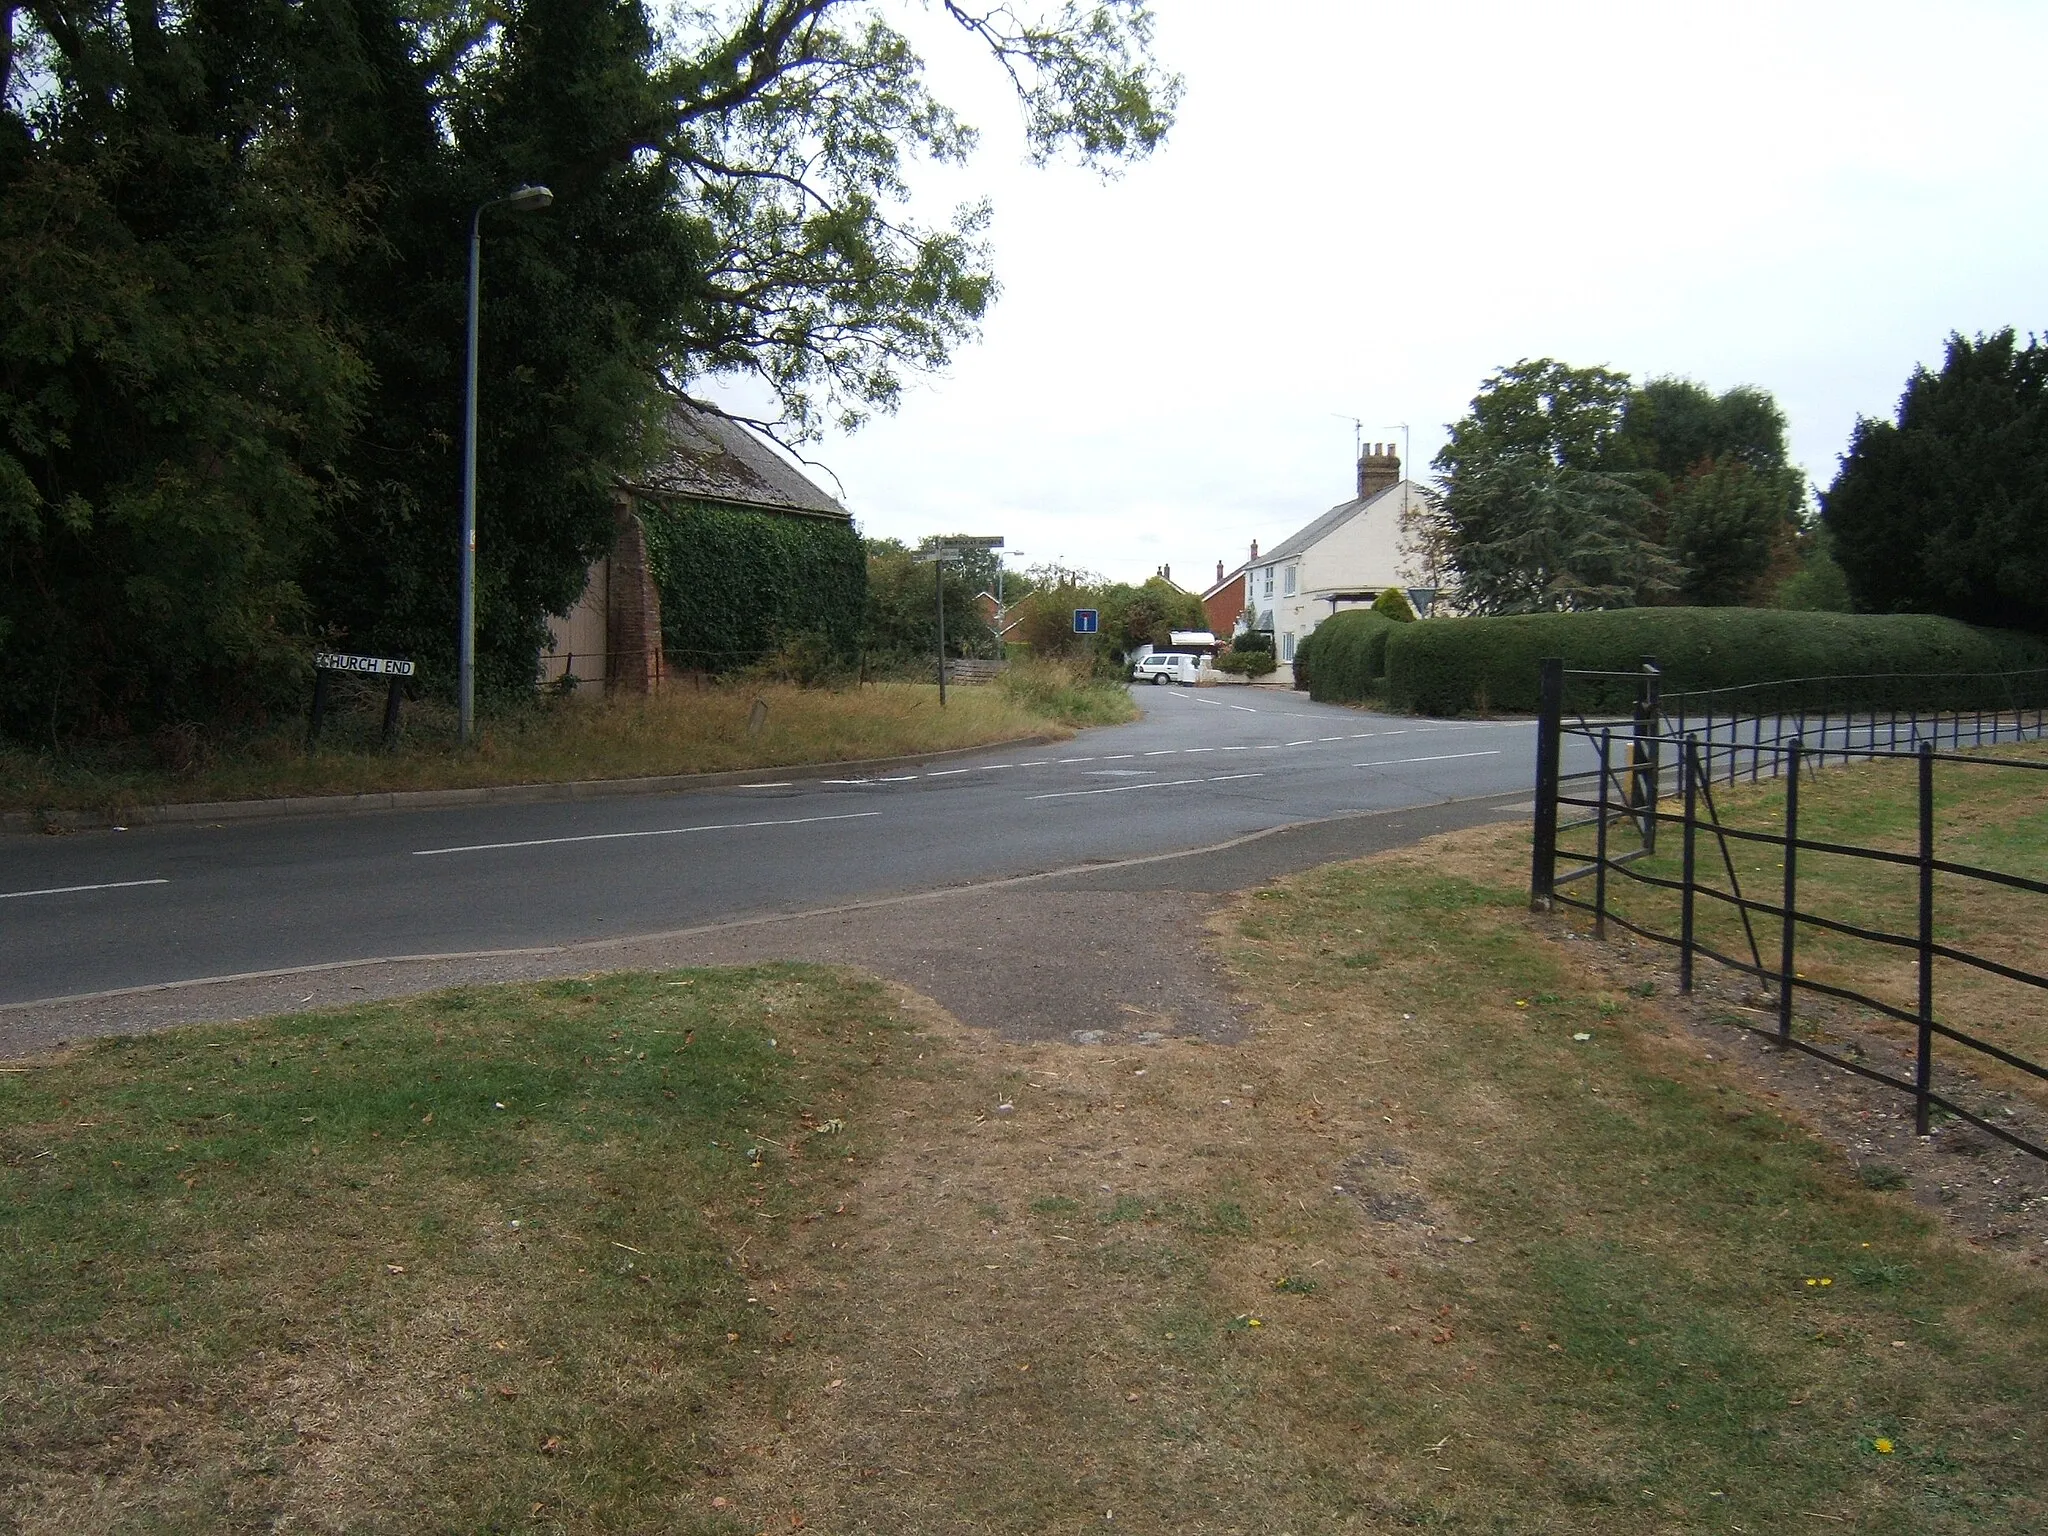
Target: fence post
(1644, 754)
(1793, 752)
(319, 713)
(1688, 779)
(1923, 1065)
(1549, 745)
(392, 700)
(1600, 838)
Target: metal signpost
(1087, 621)
(327, 664)
(936, 555)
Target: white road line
(1077, 759)
(1164, 752)
(1395, 762)
(1306, 741)
(1191, 751)
(899, 779)
(66, 890)
(1247, 709)
(1117, 757)
(947, 773)
(1119, 789)
(606, 837)
(778, 784)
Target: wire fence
(1657, 769)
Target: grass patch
(474, 1262)
(560, 740)
(1992, 817)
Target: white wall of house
(1363, 553)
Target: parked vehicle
(1167, 667)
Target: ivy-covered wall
(737, 585)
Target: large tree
(1945, 508)
(232, 253)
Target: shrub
(1394, 604)
(1253, 640)
(1349, 655)
(1247, 663)
(1448, 666)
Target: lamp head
(527, 199)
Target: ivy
(738, 585)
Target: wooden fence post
(1787, 937)
(1923, 1064)
(1549, 748)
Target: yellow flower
(1882, 1446)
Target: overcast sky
(1365, 208)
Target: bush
(1247, 663)
(1448, 666)
(1349, 655)
(1071, 691)
(1254, 640)
(1395, 605)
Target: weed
(1881, 1176)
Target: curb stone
(175, 814)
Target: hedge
(738, 585)
(1449, 666)
(1347, 654)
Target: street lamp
(523, 199)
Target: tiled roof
(711, 457)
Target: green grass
(466, 1263)
(557, 740)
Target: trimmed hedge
(1347, 655)
(1449, 666)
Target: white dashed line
(1120, 789)
(606, 837)
(67, 890)
(1395, 762)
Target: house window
(1289, 579)
(1287, 646)
(1269, 581)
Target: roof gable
(712, 457)
(1330, 522)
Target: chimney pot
(1219, 573)
(1378, 470)
(1255, 549)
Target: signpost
(328, 664)
(1087, 621)
(936, 554)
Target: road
(102, 910)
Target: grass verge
(705, 730)
(1460, 1237)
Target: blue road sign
(1086, 621)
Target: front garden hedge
(1347, 655)
(1451, 666)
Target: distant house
(1346, 557)
(1225, 601)
(733, 541)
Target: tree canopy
(1572, 488)
(1944, 509)
(232, 275)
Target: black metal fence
(1671, 751)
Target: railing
(1703, 740)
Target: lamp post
(523, 199)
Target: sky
(1364, 209)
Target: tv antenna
(1357, 432)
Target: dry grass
(1413, 1255)
(1988, 816)
(686, 730)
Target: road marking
(902, 779)
(1306, 741)
(1164, 752)
(1119, 789)
(606, 837)
(1077, 759)
(66, 890)
(947, 773)
(1247, 709)
(778, 784)
(1395, 762)
(1191, 751)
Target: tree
(1945, 508)
(232, 242)
(903, 623)
(1394, 604)
(1528, 515)
(1146, 614)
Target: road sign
(368, 666)
(958, 547)
(1087, 621)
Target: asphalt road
(101, 910)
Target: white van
(1167, 667)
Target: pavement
(1033, 892)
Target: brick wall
(634, 623)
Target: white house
(1346, 557)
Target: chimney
(1219, 573)
(1378, 470)
(1255, 549)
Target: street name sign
(1087, 621)
(958, 547)
(366, 666)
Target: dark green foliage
(902, 608)
(1566, 489)
(1945, 509)
(1249, 663)
(1146, 614)
(1449, 666)
(1254, 640)
(1393, 603)
(232, 280)
(1350, 655)
(737, 586)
